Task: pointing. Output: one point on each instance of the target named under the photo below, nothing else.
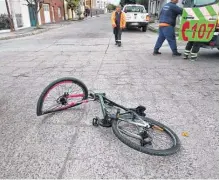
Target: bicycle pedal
(95, 121)
(105, 123)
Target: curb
(151, 28)
(35, 32)
(25, 35)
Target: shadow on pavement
(209, 56)
(131, 30)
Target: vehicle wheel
(62, 94)
(152, 142)
(144, 28)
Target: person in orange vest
(118, 22)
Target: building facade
(101, 4)
(69, 14)
(155, 6)
(23, 14)
(51, 11)
(90, 3)
(19, 12)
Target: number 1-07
(203, 30)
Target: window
(203, 2)
(193, 3)
(46, 7)
(134, 9)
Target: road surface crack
(62, 171)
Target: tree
(128, 2)
(143, 2)
(110, 7)
(122, 3)
(73, 4)
(36, 5)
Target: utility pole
(63, 10)
(9, 16)
(91, 8)
(14, 19)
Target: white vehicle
(136, 16)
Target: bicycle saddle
(139, 110)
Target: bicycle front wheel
(61, 94)
(161, 140)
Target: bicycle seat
(139, 110)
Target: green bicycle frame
(103, 100)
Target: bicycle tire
(54, 83)
(139, 148)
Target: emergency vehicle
(136, 16)
(200, 22)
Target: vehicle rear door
(198, 23)
(135, 13)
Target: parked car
(136, 16)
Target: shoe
(177, 54)
(193, 59)
(156, 53)
(119, 44)
(116, 43)
(185, 57)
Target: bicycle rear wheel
(162, 142)
(61, 94)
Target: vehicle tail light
(217, 27)
(147, 18)
(212, 43)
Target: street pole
(64, 10)
(14, 19)
(9, 15)
(91, 8)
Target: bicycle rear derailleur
(146, 139)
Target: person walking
(167, 24)
(118, 22)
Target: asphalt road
(182, 94)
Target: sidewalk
(155, 27)
(32, 30)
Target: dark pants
(167, 33)
(193, 48)
(118, 34)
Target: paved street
(183, 95)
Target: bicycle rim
(162, 141)
(60, 95)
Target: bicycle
(130, 125)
